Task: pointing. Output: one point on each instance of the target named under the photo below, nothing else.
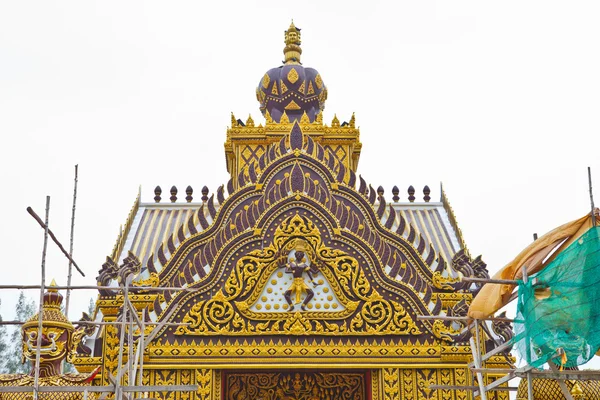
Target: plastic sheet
(559, 307)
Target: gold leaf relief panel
(391, 384)
(376, 392)
(407, 380)
(292, 385)
(217, 385)
(165, 377)
(173, 377)
(362, 310)
(204, 382)
(424, 379)
(111, 352)
(461, 379)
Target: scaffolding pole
(131, 367)
(38, 345)
(70, 272)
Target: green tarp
(559, 307)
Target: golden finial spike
(292, 50)
(268, 117)
(52, 287)
(284, 118)
(304, 119)
(319, 118)
(250, 121)
(335, 122)
(352, 121)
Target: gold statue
(292, 50)
(58, 341)
(297, 268)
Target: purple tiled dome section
(294, 89)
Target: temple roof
(153, 228)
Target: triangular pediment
(302, 192)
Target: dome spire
(291, 90)
(292, 50)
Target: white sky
(498, 100)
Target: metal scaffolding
(479, 371)
(131, 371)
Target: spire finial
(292, 50)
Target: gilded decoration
(59, 341)
(301, 265)
(266, 80)
(300, 385)
(343, 140)
(297, 178)
(293, 76)
(399, 383)
(319, 81)
(204, 382)
(292, 105)
(365, 310)
(187, 376)
(306, 349)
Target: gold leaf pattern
(293, 76)
(265, 81)
(319, 81)
(302, 87)
(292, 105)
(225, 314)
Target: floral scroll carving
(365, 311)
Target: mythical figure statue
(57, 343)
(297, 268)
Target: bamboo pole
(452, 318)
(100, 323)
(477, 354)
(130, 348)
(60, 246)
(561, 383)
(591, 196)
(140, 352)
(133, 289)
(98, 389)
(489, 280)
(121, 338)
(528, 344)
(36, 379)
(70, 273)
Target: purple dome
(292, 88)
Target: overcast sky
(497, 100)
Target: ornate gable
(379, 276)
(302, 270)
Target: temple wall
(378, 384)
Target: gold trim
(122, 237)
(453, 221)
(268, 364)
